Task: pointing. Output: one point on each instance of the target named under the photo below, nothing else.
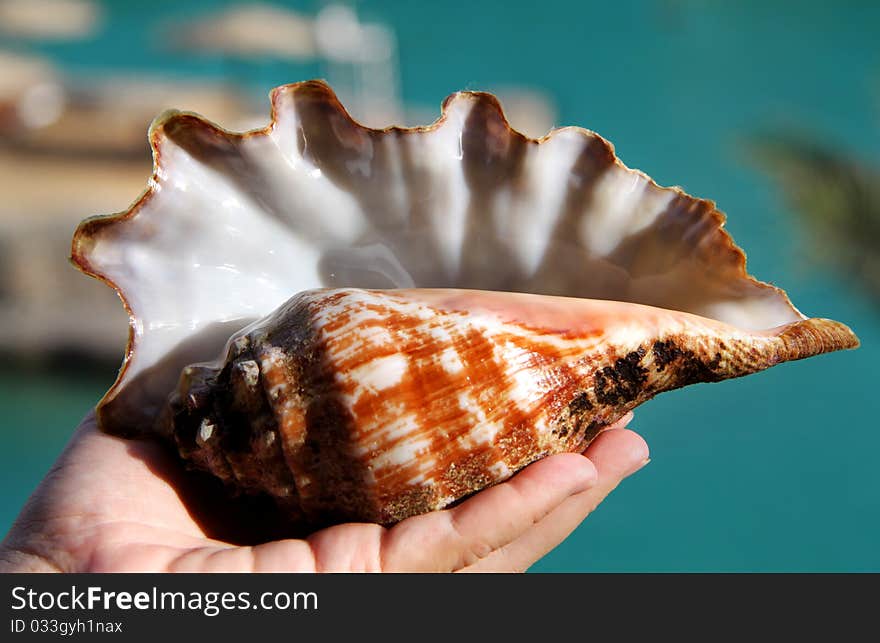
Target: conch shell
(465, 300)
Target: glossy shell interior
(232, 225)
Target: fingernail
(640, 466)
(625, 419)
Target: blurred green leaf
(836, 196)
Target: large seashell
(358, 402)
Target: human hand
(110, 505)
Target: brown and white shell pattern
(359, 402)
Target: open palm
(119, 505)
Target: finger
(616, 454)
(455, 538)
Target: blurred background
(772, 109)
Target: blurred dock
(68, 152)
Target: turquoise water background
(774, 472)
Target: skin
(112, 505)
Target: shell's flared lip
(320, 93)
(569, 316)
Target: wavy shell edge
(319, 89)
